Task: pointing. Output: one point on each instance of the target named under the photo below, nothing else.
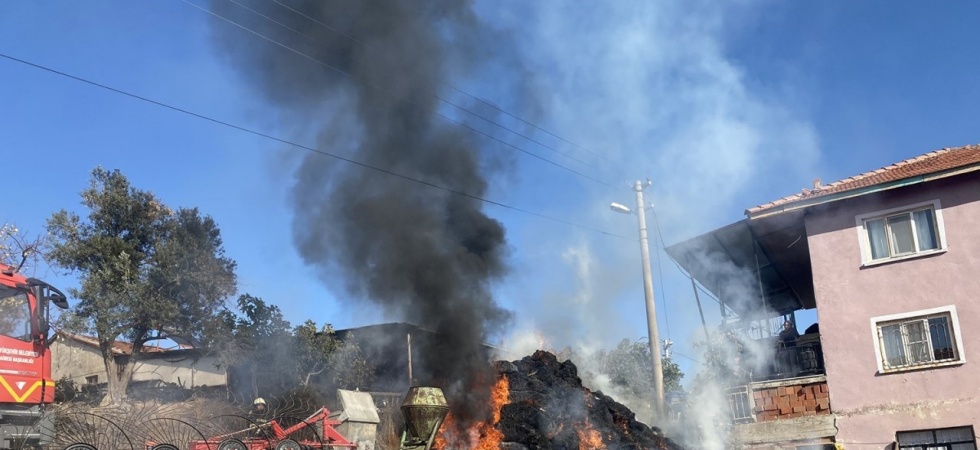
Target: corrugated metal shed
(757, 268)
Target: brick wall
(786, 402)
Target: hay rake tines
(167, 433)
(281, 433)
(87, 431)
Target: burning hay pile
(548, 408)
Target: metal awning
(757, 268)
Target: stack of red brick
(786, 402)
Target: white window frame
(954, 325)
(862, 230)
(732, 395)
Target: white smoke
(650, 90)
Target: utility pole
(658, 367)
(654, 337)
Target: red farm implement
(282, 433)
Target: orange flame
(481, 436)
(490, 436)
(442, 438)
(589, 438)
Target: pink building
(890, 260)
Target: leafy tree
(629, 364)
(725, 358)
(336, 362)
(18, 250)
(146, 271)
(258, 343)
(313, 349)
(257, 338)
(672, 376)
(625, 373)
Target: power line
(436, 96)
(305, 147)
(675, 352)
(679, 268)
(474, 97)
(397, 97)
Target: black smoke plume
(364, 76)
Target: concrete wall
(76, 361)
(186, 372)
(871, 406)
(72, 359)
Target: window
(918, 339)
(15, 313)
(960, 438)
(739, 402)
(92, 380)
(901, 233)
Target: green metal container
(424, 410)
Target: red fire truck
(25, 360)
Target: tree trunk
(118, 376)
(115, 392)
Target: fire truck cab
(25, 359)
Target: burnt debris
(549, 408)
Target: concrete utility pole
(654, 337)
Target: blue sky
(723, 107)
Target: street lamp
(620, 208)
(658, 373)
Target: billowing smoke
(363, 76)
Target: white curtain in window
(877, 239)
(919, 348)
(901, 234)
(891, 337)
(924, 229)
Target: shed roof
(761, 264)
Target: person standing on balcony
(787, 337)
(787, 360)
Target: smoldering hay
(549, 408)
(363, 76)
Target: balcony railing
(802, 359)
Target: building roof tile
(929, 163)
(118, 347)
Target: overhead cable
(306, 147)
(681, 269)
(474, 97)
(400, 98)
